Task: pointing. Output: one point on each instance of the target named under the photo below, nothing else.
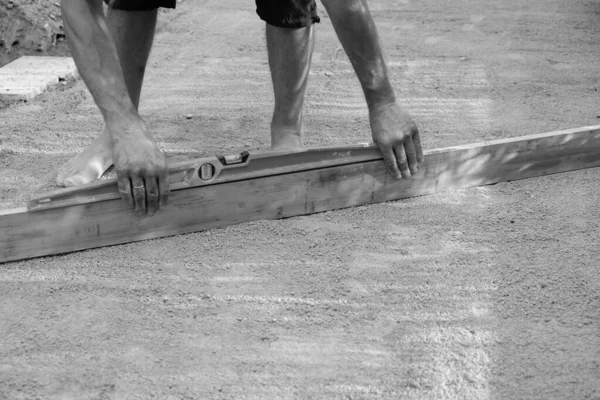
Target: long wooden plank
(26, 234)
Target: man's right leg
(133, 33)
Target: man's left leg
(290, 44)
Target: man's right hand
(142, 174)
(141, 168)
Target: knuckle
(138, 171)
(402, 158)
(127, 168)
(148, 169)
(385, 141)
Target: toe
(68, 182)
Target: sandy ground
(486, 293)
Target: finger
(139, 193)
(152, 194)
(390, 162)
(416, 137)
(124, 185)
(163, 188)
(402, 160)
(411, 155)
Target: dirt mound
(30, 27)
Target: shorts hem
(297, 24)
(292, 22)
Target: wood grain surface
(26, 234)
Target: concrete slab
(28, 76)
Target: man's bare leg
(290, 53)
(133, 33)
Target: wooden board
(26, 234)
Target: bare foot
(89, 165)
(286, 138)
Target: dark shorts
(281, 13)
(288, 13)
(140, 5)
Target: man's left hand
(397, 136)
